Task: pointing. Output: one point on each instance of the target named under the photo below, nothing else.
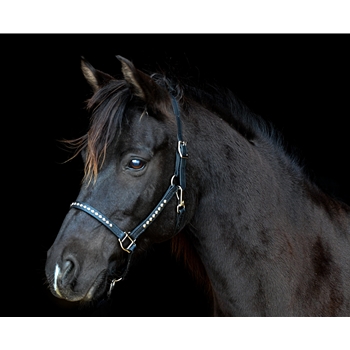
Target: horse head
(129, 154)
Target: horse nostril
(67, 272)
(67, 266)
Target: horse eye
(136, 164)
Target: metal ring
(172, 180)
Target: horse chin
(97, 289)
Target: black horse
(168, 161)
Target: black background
(298, 82)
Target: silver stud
(164, 201)
(92, 211)
(147, 222)
(144, 225)
(162, 205)
(88, 208)
(107, 222)
(154, 215)
(110, 225)
(156, 212)
(96, 213)
(159, 209)
(103, 219)
(84, 206)
(100, 216)
(150, 219)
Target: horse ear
(94, 77)
(142, 84)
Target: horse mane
(107, 106)
(226, 105)
(223, 103)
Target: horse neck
(253, 203)
(237, 177)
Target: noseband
(127, 240)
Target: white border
(139, 16)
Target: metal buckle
(122, 241)
(180, 199)
(181, 144)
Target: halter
(127, 240)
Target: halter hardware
(182, 149)
(121, 241)
(111, 286)
(178, 189)
(181, 204)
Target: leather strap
(103, 219)
(127, 239)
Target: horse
(164, 160)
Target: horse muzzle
(67, 282)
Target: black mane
(223, 103)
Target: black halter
(177, 185)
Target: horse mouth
(94, 292)
(97, 288)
